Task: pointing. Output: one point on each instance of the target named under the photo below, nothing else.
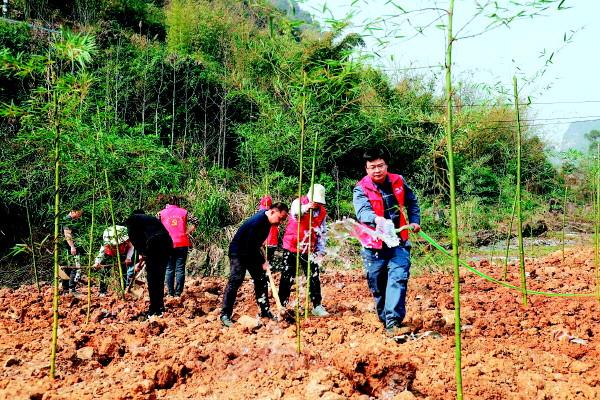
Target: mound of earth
(548, 350)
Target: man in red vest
(309, 212)
(377, 197)
(180, 224)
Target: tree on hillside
(593, 137)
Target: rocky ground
(548, 350)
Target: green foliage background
(203, 99)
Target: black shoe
(154, 315)
(226, 321)
(268, 315)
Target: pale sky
(491, 59)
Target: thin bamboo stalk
(90, 248)
(597, 224)
(310, 222)
(54, 344)
(114, 225)
(518, 191)
(564, 220)
(302, 127)
(453, 213)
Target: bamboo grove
(165, 111)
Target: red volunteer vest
(376, 200)
(111, 250)
(273, 238)
(290, 239)
(175, 220)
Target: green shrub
(15, 36)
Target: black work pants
(288, 277)
(158, 250)
(237, 272)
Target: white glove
(379, 221)
(316, 258)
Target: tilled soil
(548, 350)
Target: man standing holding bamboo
(378, 198)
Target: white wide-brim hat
(110, 237)
(319, 194)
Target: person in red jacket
(380, 199)
(180, 224)
(309, 212)
(273, 239)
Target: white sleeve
(130, 252)
(321, 237)
(100, 256)
(294, 209)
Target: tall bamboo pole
(90, 247)
(518, 191)
(310, 228)
(56, 224)
(597, 224)
(302, 126)
(453, 214)
(114, 225)
(564, 220)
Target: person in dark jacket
(154, 245)
(245, 254)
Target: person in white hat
(115, 243)
(309, 212)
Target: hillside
(213, 101)
(574, 136)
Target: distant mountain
(574, 136)
(293, 10)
